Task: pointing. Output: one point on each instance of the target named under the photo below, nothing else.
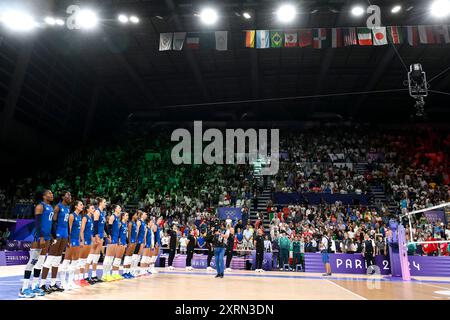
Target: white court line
(349, 291)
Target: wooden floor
(200, 284)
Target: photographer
(220, 242)
(229, 250)
(209, 245)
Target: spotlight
(208, 16)
(87, 19)
(122, 18)
(396, 9)
(440, 8)
(286, 13)
(18, 21)
(134, 19)
(357, 11)
(59, 22)
(49, 20)
(246, 15)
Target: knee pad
(90, 258)
(39, 262)
(117, 262)
(34, 256)
(56, 261)
(64, 266)
(96, 257)
(108, 260)
(73, 265)
(127, 260)
(81, 263)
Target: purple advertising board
(435, 216)
(429, 266)
(200, 261)
(344, 263)
(2, 258)
(12, 258)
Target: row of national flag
(340, 37)
(316, 38)
(193, 40)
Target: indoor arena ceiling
(135, 78)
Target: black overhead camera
(418, 87)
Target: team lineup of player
(80, 232)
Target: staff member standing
(220, 241)
(259, 246)
(172, 245)
(325, 245)
(229, 250)
(367, 252)
(192, 242)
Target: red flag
(305, 38)
(413, 35)
(426, 35)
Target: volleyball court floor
(271, 285)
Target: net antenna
(415, 212)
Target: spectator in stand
(430, 249)
(248, 238)
(381, 248)
(183, 243)
(267, 244)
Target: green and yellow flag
(276, 39)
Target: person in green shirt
(298, 250)
(285, 246)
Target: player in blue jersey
(86, 239)
(121, 246)
(148, 246)
(99, 230)
(142, 216)
(132, 238)
(113, 229)
(155, 252)
(43, 213)
(60, 229)
(73, 248)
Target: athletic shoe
(118, 277)
(131, 276)
(209, 269)
(221, 275)
(84, 283)
(46, 289)
(217, 275)
(96, 279)
(153, 269)
(228, 269)
(55, 288)
(27, 293)
(91, 281)
(125, 275)
(38, 291)
(110, 278)
(326, 274)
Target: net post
(403, 254)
